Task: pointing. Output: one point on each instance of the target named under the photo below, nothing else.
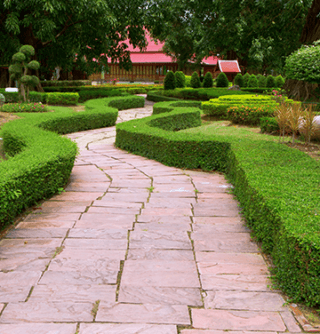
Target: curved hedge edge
(162, 107)
(262, 173)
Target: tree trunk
(3, 77)
(299, 90)
(311, 30)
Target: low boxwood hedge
(162, 107)
(40, 161)
(62, 98)
(278, 188)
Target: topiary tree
(208, 81)
(169, 81)
(180, 79)
(271, 81)
(262, 81)
(246, 78)
(253, 81)
(279, 80)
(19, 70)
(195, 80)
(222, 80)
(238, 80)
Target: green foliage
(279, 81)
(28, 50)
(65, 83)
(222, 80)
(188, 80)
(271, 81)
(238, 80)
(195, 80)
(249, 115)
(24, 107)
(262, 81)
(88, 94)
(269, 125)
(33, 65)
(18, 57)
(163, 107)
(153, 96)
(253, 82)
(208, 81)
(304, 64)
(2, 99)
(246, 78)
(169, 81)
(180, 79)
(62, 98)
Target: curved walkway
(133, 246)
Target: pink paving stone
(182, 194)
(244, 300)
(237, 320)
(220, 228)
(36, 328)
(77, 196)
(136, 198)
(24, 262)
(60, 209)
(20, 278)
(160, 295)
(90, 233)
(79, 278)
(160, 254)
(163, 266)
(52, 203)
(96, 243)
(73, 293)
(117, 204)
(164, 219)
(46, 312)
(239, 258)
(160, 279)
(108, 210)
(210, 268)
(126, 329)
(13, 294)
(30, 243)
(235, 282)
(174, 188)
(52, 216)
(162, 226)
(146, 313)
(49, 224)
(217, 204)
(290, 322)
(196, 331)
(131, 183)
(81, 254)
(220, 187)
(166, 211)
(214, 195)
(88, 186)
(25, 233)
(177, 201)
(228, 242)
(222, 212)
(170, 203)
(217, 220)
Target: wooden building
(229, 67)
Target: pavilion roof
(229, 66)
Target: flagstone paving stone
(132, 246)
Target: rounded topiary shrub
(253, 81)
(180, 79)
(169, 81)
(222, 80)
(208, 81)
(271, 82)
(279, 81)
(246, 78)
(195, 80)
(262, 81)
(238, 80)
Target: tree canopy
(59, 30)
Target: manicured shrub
(169, 81)
(262, 81)
(180, 79)
(279, 81)
(249, 115)
(208, 81)
(222, 80)
(24, 107)
(62, 98)
(269, 125)
(246, 78)
(195, 80)
(163, 107)
(238, 80)
(64, 83)
(188, 80)
(253, 82)
(271, 81)
(97, 93)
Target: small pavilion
(229, 67)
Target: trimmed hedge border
(40, 161)
(278, 188)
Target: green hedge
(278, 188)
(62, 98)
(162, 107)
(152, 96)
(64, 83)
(269, 125)
(40, 161)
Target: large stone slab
(146, 313)
(217, 220)
(244, 300)
(52, 203)
(73, 293)
(170, 203)
(23, 262)
(82, 254)
(28, 233)
(60, 209)
(113, 211)
(181, 227)
(20, 278)
(96, 243)
(167, 211)
(48, 224)
(126, 329)
(77, 196)
(13, 294)
(91, 233)
(46, 312)
(177, 194)
(164, 219)
(160, 295)
(76, 278)
(171, 179)
(117, 204)
(215, 331)
(174, 188)
(51, 216)
(237, 320)
(216, 212)
(238, 258)
(125, 197)
(163, 266)
(210, 268)
(37, 328)
(213, 195)
(104, 221)
(160, 254)
(125, 183)
(88, 186)
(220, 228)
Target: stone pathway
(133, 246)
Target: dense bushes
(253, 81)
(24, 107)
(163, 107)
(180, 79)
(169, 81)
(195, 80)
(65, 83)
(62, 98)
(238, 80)
(271, 81)
(208, 81)
(277, 188)
(41, 161)
(222, 80)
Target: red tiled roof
(152, 46)
(150, 58)
(210, 60)
(229, 66)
